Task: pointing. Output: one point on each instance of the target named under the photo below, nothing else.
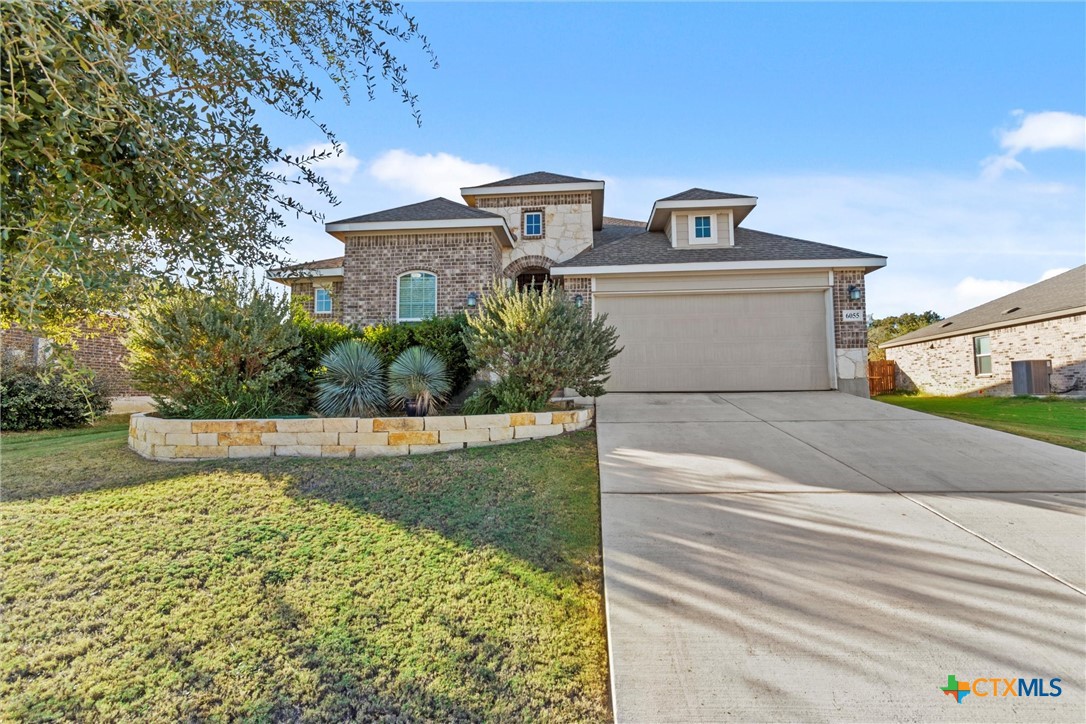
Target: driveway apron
(814, 556)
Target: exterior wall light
(578, 301)
(473, 299)
(854, 293)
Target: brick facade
(946, 366)
(102, 352)
(463, 261)
(533, 200)
(849, 335)
(302, 290)
(578, 285)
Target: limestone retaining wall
(156, 438)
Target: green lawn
(463, 586)
(1062, 422)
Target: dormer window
(703, 229)
(532, 223)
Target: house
(701, 301)
(972, 352)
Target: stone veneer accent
(567, 224)
(156, 438)
(463, 262)
(945, 366)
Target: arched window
(416, 296)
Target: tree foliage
(131, 147)
(885, 329)
(232, 353)
(537, 342)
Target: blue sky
(947, 137)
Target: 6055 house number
(852, 315)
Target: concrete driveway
(813, 556)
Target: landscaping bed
(1049, 419)
(340, 437)
(450, 587)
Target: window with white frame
(416, 296)
(533, 223)
(702, 230)
(322, 301)
(982, 355)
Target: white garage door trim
(827, 314)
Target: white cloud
(1042, 131)
(338, 167)
(1054, 272)
(970, 292)
(431, 174)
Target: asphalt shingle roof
(439, 209)
(1052, 296)
(615, 229)
(704, 195)
(537, 178)
(335, 262)
(651, 247)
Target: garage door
(731, 341)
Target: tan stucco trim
(988, 327)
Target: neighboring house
(701, 303)
(102, 352)
(972, 352)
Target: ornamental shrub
(317, 337)
(234, 352)
(352, 381)
(444, 336)
(538, 342)
(418, 381)
(33, 398)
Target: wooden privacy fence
(880, 376)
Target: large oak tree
(130, 146)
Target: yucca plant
(352, 383)
(418, 381)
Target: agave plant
(418, 381)
(353, 381)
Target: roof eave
(868, 263)
(284, 275)
(496, 224)
(661, 210)
(1002, 324)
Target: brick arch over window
(527, 262)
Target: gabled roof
(537, 178)
(737, 204)
(1059, 296)
(541, 182)
(650, 248)
(704, 195)
(319, 268)
(432, 215)
(615, 229)
(439, 209)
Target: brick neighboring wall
(103, 353)
(946, 366)
(464, 262)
